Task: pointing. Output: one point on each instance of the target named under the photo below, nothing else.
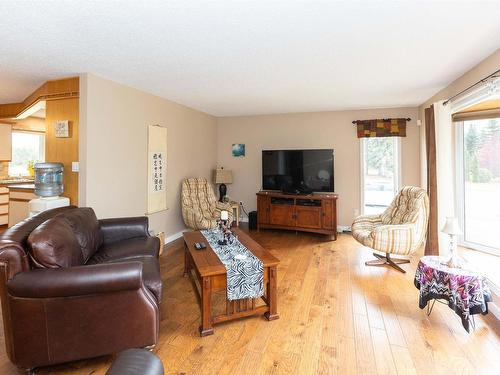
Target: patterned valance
(388, 127)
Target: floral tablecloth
(465, 291)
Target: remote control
(199, 245)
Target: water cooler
(48, 187)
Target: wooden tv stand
(315, 212)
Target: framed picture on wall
(238, 150)
(61, 129)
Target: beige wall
(113, 148)
(309, 130)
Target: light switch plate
(75, 166)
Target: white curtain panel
(445, 167)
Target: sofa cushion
(86, 229)
(150, 273)
(53, 245)
(127, 249)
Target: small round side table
(466, 292)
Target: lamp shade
(223, 176)
(224, 215)
(452, 227)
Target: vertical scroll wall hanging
(157, 169)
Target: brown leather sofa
(74, 287)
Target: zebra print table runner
(245, 277)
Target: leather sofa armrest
(123, 228)
(77, 281)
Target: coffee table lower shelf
(205, 286)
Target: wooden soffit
(50, 90)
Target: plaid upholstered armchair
(400, 229)
(200, 208)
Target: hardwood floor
(337, 316)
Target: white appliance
(41, 204)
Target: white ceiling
(250, 57)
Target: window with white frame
(27, 148)
(380, 173)
(478, 182)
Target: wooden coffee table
(205, 268)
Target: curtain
(432, 243)
(445, 170)
(391, 127)
(440, 174)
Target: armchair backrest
(409, 206)
(197, 193)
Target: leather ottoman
(136, 362)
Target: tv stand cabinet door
(263, 208)
(308, 217)
(328, 207)
(283, 215)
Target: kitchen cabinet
(5, 142)
(4, 206)
(19, 203)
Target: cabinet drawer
(4, 209)
(4, 219)
(4, 198)
(22, 195)
(4, 190)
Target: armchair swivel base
(387, 261)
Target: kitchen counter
(16, 181)
(26, 186)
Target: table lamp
(223, 176)
(452, 228)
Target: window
(26, 147)
(380, 173)
(478, 187)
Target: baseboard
(343, 228)
(340, 228)
(174, 237)
(493, 306)
(494, 309)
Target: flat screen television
(298, 171)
